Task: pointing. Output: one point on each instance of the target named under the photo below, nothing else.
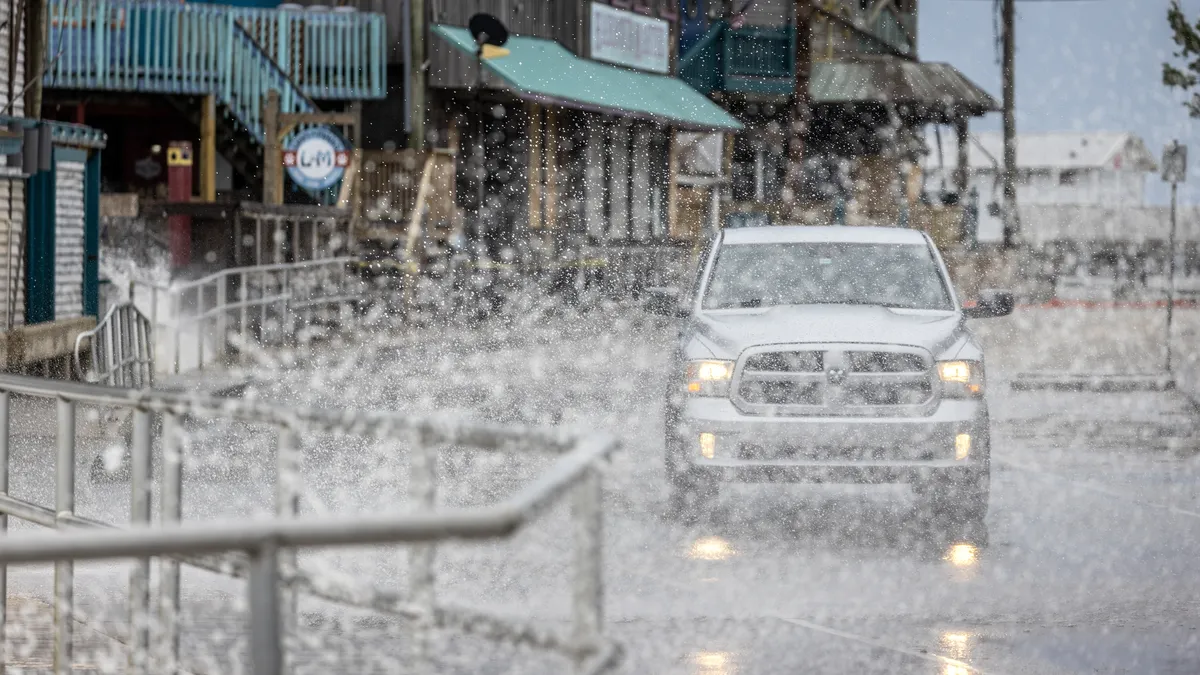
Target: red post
(179, 189)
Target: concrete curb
(1094, 382)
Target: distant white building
(1062, 168)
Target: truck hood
(732, 331)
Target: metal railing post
(4, 463)
(222, 319)
(201, 325)
(64, 571)
(263, 295)
(423, 557)
(266, 652)
(170, 512)
(285, 316)
(154, 306)
(289, 461)
(139, 514)
(110, 348)
(177, 307)
(243, 295)
(588, 593)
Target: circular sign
(316, 158)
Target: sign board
(701, 154)
(629, 39)
(1174, 163)
(316, 158)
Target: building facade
(1100, 169)
(869, 99)
(157, 74)
(576, 130)
(565, 140)
(49, 221)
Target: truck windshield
(821, 273)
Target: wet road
(1086, 565)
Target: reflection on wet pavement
(963, 556)
(713, 663)
(711, 548)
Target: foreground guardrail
(120, 349)
(264, 552)
(242, 306)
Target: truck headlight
(961, 379)
(709, 378)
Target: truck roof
(784, 234)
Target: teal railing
(752, 59)
(701, 66)
(174, 47)
(253, 76)
(761, 51)
(762, 59)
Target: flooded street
(1084, 566)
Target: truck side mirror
(991, 303)
(664, 301)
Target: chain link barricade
(264, 552)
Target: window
(1068, 177)
(766, 275)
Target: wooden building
(49, 220)
(564, 139)
(870, 97)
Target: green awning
(544, 71)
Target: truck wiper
(856, 302)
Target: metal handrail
(123, 343)
(266, 550)
(237, 301)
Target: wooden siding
(12, 56)
(563, 21)
(12, 252)
(560, 20)
(770, 13)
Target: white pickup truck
(828, 354)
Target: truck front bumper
(753, 449)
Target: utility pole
(1174, 171)
(1009, 215)
(801, 112)
(35, 56)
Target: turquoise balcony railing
(749, 60)
(184, 48)
(762, 59)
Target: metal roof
(931, 87)
(847, 234)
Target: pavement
(1086, 563)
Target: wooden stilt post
(208, 149)
(272, 153)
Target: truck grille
(834, 381)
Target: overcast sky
(1080, 64)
